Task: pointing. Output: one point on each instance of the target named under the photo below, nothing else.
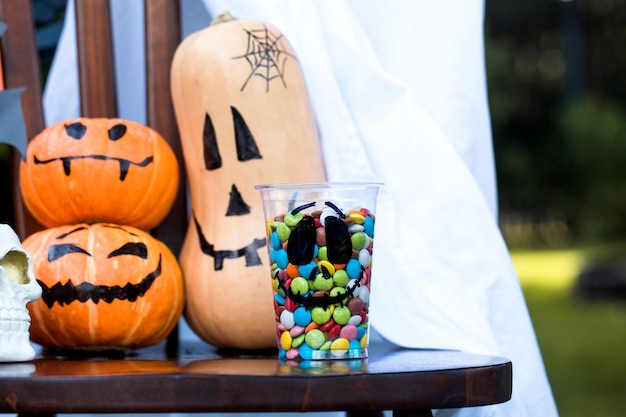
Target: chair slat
(162, 24)
(96, 65)
(20, 68)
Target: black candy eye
(338, 241)
(301, 245)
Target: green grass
(583, 343)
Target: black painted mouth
(249, 251)
(85, 291)
(123, 163)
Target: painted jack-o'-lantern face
(104, 286)
(99, 170)
(244, 118)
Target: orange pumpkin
(99, 170)
(104, 287)
(244, 117)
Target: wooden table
(195, 377)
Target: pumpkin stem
(222, 18)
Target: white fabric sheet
(399, 93)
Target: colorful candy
(321, 263)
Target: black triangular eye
(246, 145)
(338, 241)
(76, 130)
(212, 158)
(236, 205)
(301, 245)
(117, 131)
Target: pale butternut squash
(244, 117)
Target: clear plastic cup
(320, 239)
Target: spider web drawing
(266, 56)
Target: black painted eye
(76, 130)
(212, 157)
(136, 249)
(117, 131)
(302, 239)
(338, 241)
(247, 148)
(57, 251)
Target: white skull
(17, 287)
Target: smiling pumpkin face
(99, 170)
(104, 286)
(244, 117)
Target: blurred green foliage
(557, 94)
(582, 342)
(595, 133)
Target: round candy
(315, 338)
(355, 320)
(281, 259)
(292, 354)
(355, 305)
(275, 242)
(339, 347)
(323, 282)
(327, 212)
(320, 238)
(341, 278)
(348, 332)
(297, 341)
(337, 291)
(320, 315)
(356, 217)
(302, 316)
(306, 270)
(299, 286)
(326, 267)
(306, 352)
(355, 346)
(279, 299)
(296, 331)
(287, 319)
(364, 258)
(353, 268)
(359, 240)
(356, 228)
(282, 230)
(341, 315)
(292, 219)
(285, 340)
(364, 294)
(368, 226)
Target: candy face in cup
(320, 245)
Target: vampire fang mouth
(124, 163)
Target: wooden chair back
(21, 68)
